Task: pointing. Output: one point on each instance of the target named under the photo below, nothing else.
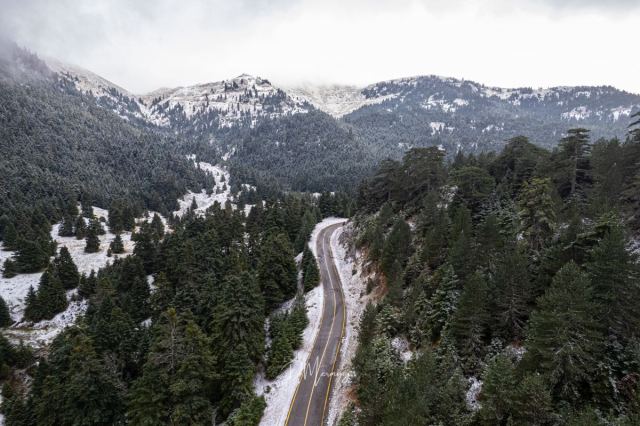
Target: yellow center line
(302, 374)
(313, 388)
(335, 358)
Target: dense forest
(517, 272)
(180, 348)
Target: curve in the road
(311, 398)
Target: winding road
(310, 402)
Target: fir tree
(93, 242)
(10, 269)
(277, 270)
(32, 255)
(87, 285)
(573, 164)
(9, 236)
(32, 308)
(5, 317)
(564, 341)
(66, 270)
(469, 326)
(614, 273)
(51, 298)
(66, 227)
(157, 226)
(117, 246)
(498, 392)
(80, 228)
(310, 271)
(537, 212)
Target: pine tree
(511, 293)
(117, 246)
(537, 212)
(80, 228)
(5, 317)
(157, 226)
(442, 304)
(614, 273)
(564, 342)
(178, 376)
(93, 242)
(573, 175)
(280, 352)
(470, 323)
(238, 317)
(277, 270)
(87, 285)
(9, 234)
(306, 227)
(66, 227)
(66, 270)
(32, 256)
(51, 298)
(498, 392)
(532, 403)
(310, 271)
(146, 248)
(397, 247)
(10, 269)
(32, 308)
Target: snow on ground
(475, 386)
(14, 290)
(354, 287)
(278, 392)
(221, 192)
(401, 346)
(336, 100)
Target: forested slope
(514, 278)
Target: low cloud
(145, 45)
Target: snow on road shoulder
(279, 392)
(353, 281)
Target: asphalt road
(310, 402)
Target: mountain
(464, 115)
(58, 145)
(457, 114)
(280, 131)
(240, 101)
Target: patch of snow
(278, 392)
(493, 128)
(353, 281)
(221, 192)
(577, 113)
(336, 100)
(617, 113)
(436, 127)
(401, 346)
(516, 352)
(14, 290)
(471, 397)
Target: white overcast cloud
(143, 45)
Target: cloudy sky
(143, 45)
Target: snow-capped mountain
(243, 100)
(414, 111)
(450, 95)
